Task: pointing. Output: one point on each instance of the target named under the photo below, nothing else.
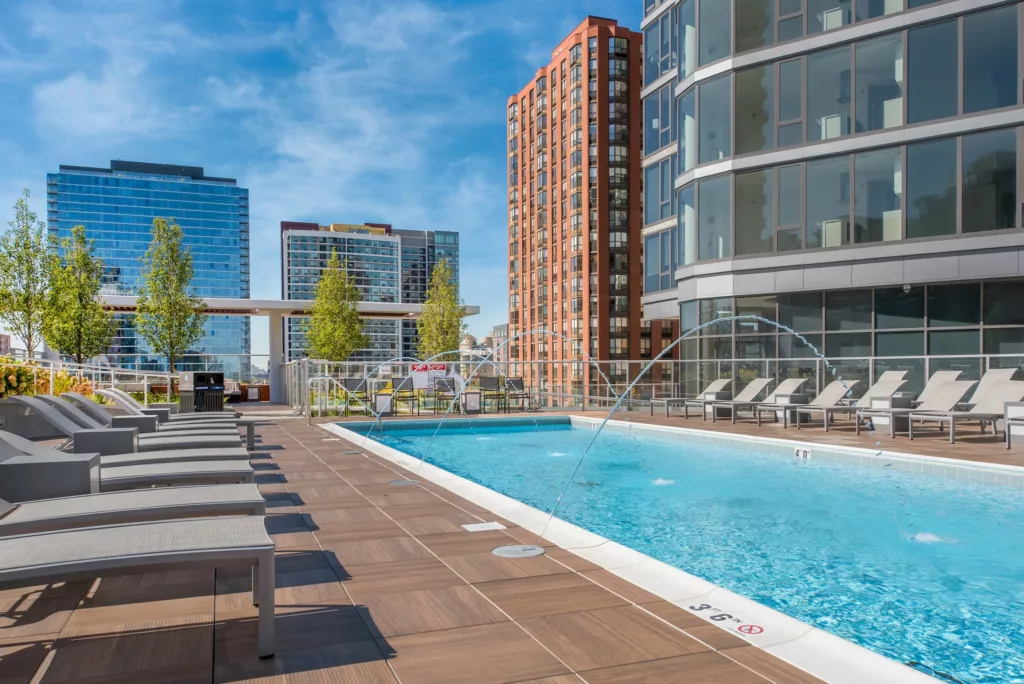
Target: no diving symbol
(750, 629)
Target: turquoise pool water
(923, 570)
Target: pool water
(921, 569)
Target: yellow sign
(351, 228)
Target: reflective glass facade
(387, 265)
(117, 206)
(856, 188)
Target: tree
(25, 260)
(170, 314)
(76, 324)
(335, 330)
(441, 327)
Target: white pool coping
(819, 653)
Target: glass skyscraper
(388, 266)
(117, 206)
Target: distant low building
(5, 345)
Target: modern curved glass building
(848, 168)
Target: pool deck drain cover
(403, 483)
(518, 551)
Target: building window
(713, 218)
(791, 205)
(828, 202)
(715, 120)
(932, 72)
(715, 31)
(687, 130)
(825, 15)
(660, 260)
(755, 109)
(659, 194)
(755, 215)
(990, 59)
(877, 196)
(660, 40)
(828, 94)
(687, 21)
(989, 195)
(880, 83)
(755, 24)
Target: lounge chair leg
(266, 617)
(910, 428)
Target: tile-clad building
(387, 265)
(575, 208)
(117, 206)
(852, 170)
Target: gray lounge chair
(125, 400)
(99, 413)
(138, 505)
(70, 555)
(147, 424)
(84, 409)
(784, 388)
(747, 397)
(884, 388)
(831, 396)
(133, 470)
(942, 398)
(713, 388)
(989, 408)
(115, 440)
(988, 380)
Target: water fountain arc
(666, 350)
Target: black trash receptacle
(200, 392)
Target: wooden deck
(375, 584)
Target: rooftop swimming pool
(925, 570)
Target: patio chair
(115, 440)
(403, 392)
(881, 389)
(356, 391)
(747, 396)
(828, 399)
(516, 391)
(444, 391)
(785, 388)
(134, 470)
(490, 388)
(124, 399)
(134, 505)
(71, 555)
(989, 408)
(942, 398)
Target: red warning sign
(750, 629)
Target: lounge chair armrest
(29, 478)
(145, 424)
(107, 441)
(163, 415)
(169, 405)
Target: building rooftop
(118, 165)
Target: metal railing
(576, 385)
(47, 373)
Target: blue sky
(332, 111)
